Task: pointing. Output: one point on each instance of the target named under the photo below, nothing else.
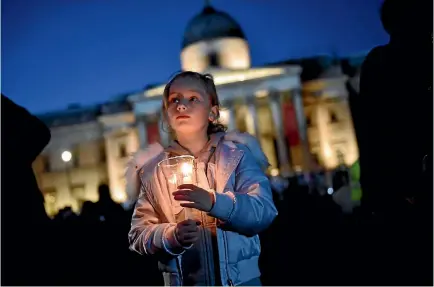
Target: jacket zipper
(230, 282)
(181, 276)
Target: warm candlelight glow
(173, 179)
(186, 171)
(178, 170)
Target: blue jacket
(244, 207)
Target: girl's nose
(181, 107)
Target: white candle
(187, 180)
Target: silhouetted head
(405, 19)
(87, 206)
(104, 192)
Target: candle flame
(186, 169)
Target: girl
(231, 204)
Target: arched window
(213, 59)
(333, 117)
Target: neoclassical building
(298, 109)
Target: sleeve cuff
(224, 206)
(171, 244)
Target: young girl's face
(189, 109)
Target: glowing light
(224, 117)
(186, 171)
(50, 198)
(274, 172)
(172, 180)
(119, 196)
(66, 156)
(261, 93)
(186, 168)
(327, 151)
(178, 170)
(330, 190)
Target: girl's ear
(213, 114)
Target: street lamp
(66, 157)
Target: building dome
(211, 24)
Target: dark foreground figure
(24, 222)
(393, 124)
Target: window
(122, 150)
(77, 190)
(316, 159)
(213, 59)
(340, 157)
(75, 159)
(102, 154)
(49, 192)
(333, 117)
(308, 121)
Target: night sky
(58, 52)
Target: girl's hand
(197, 197)
(187, 232)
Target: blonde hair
(208, 83)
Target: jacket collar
(175, 148)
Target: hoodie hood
(252, 144)
(134, 164)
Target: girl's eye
(174, 100)
(194, 99)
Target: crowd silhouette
(387, 240)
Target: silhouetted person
(25, 238)
(393, 124)
(108, 210)
(393, 113)
(340, 178)
(108, 241)
(66, 216)
(89, 214)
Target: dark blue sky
(57, 52)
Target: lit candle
(186, 171)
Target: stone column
(253, 125)
(111, 160)
(231, 120)
(282, 152)
(232, 124)
(352, 150)
(297, 101)
(143, 135)
(323, 134)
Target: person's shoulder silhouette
(24, 137)
(24, 220)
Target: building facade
(298, 109)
